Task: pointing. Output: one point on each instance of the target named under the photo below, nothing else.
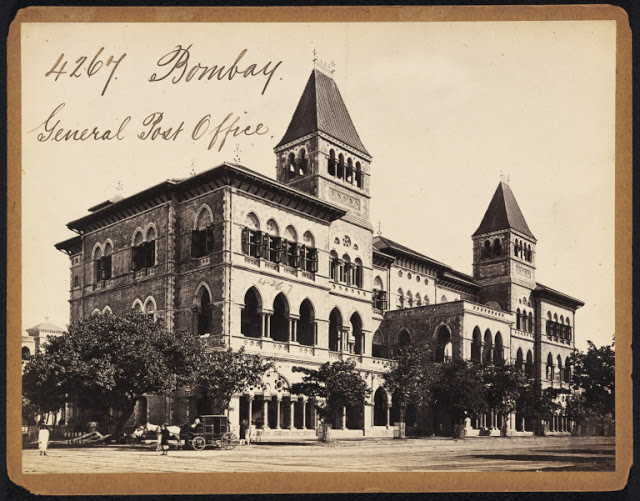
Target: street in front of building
(382, 455)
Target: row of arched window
(522, 250)
(524, 321)
(342, 270)
(522, 366)
(563, 373)
(148, 307)
(282, 325)
(490, 249)
(408, 300)
(558, 328)
(143, 255)
(488, 350)
(296, 166)
(286, 249)
(346, 171)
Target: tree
(576, 410)
(459, 388)
(42, 388)
(226, 373)
(339, 384)
(502, 386)
(594, 377)
(539, 404)
(109, 361)
(411, 379)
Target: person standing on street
(243, 432)
(164, 439)
(251, 432)
(43, 438)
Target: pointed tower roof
(503, 213)
(321, 108)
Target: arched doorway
(250, 322)
(202, 312)
(443, 345)
(380, 407)
(476, 345)
(488, 347)
(498, 354)
(356, 332)
(378, 348)
(335, 325)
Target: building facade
(290, 269)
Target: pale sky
(443, 108)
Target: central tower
(321, 152)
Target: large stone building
(290, 269)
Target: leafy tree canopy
(459, 385)
(339, 383)
(502, 386)
(594, 376)
(225, 373)
(108, 361)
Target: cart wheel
(198, 443)
(229, 441)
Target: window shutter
(265, 246)
(296, 256)
(98, 270)
(278, 249)
(208, 244)
(303, 258)
(245, 240)
(347, 273)
(314, 260)
(106, 268)
(194, 243)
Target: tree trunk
(401, 425)
(459, 428)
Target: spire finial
(328, 68)
(504, 177)
(379, 228)
(119, 186)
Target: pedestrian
(251, 430)
(243, 432)
(164, 439)
(43, 438)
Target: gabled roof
(321, 108)
(544, 292)
(503, 213)
(387, 246)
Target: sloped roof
(387, 246)
(45, 326)
(321, 108)
(503, 213)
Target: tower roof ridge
(503, 213)
(321, 108)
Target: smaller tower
(504, 251)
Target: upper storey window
(344, 169)
(143, 252)
(202, 235)
(522, 250)
(344, 271)
(379, 295)
(102, 262)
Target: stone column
(291, 413)
(278, 402)
(250, 409)
(344, 418)
(234, 412)
(512, 421)
(268, 315)
(388, 415)
(315, 333)
(491, 419)
(304, 414)
(363, 343)
(290, 333)
(522, 423)
(265, 413)
(263, 331)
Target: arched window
(497, 248)
(358, 175)
(250, 321)
(488, 347)
(306, 325)
(518, 319)
(443, 299)
(400, 299)
(107, 310)
(106, 261)
(272, 242)
(403, 340)
(150, 308)
(426, 299)
(519, 360)
(568, 323)
(340, 173)
(335, 330)
(530, 322)
(380, 406)
(309, 253)
(356, 332)
(529, 367)
(331, 167)
(554, 325)
(357, 273)
(516, 248)
(334, 263)
(344, 270)
(251, 236)
(560, 373)
(150, 249)
(476, 345)
(567, 370)
(486, 252)
(292, 247)
(302, 168)
(443, 345)
(409, 299)
(349, 176)
(97, 260)
(291, 166)
(280, 319)
(549, 320)
(418, 299)
(202, 312)
(202, 234)
(549, 367)
(378, 347)
(498, 352)
(137, 305)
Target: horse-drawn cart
(212, 430)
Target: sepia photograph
(317, 247)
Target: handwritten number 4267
(96, 64)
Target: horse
(174, 432)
